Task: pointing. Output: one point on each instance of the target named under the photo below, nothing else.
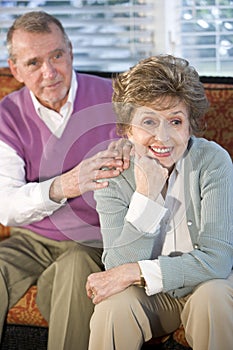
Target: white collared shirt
(173, 211)
(56, 122)
(30, 202)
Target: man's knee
(81, 254)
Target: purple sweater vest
(89, 130)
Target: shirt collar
(70, 100)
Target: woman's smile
(161, 134)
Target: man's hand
(84, 177)
(101, 285)
(124, 149)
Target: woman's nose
(162, 132)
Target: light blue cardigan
(209, 201)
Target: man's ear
(71, 51)
(14, 70)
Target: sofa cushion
(7, 82)
(26, 312)
(219, 121)
(219, 118)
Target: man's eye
(57, 55)
(32, 63)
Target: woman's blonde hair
(161, 81)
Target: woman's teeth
(161, 150)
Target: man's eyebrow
(29, 60)
(50, 54)
(59, 49)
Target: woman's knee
(211, 297)
(211, 292)
(118, 305)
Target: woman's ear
(128, 133)
(130, 137)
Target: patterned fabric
(26, 312)
(8, 82)
(219, 121)
(219, 118)
(179, 337)
(4, 232)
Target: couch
(25, 327)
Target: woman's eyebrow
(177, 112)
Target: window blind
(112, 35)
(206, 35)
(106, 35)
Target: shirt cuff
(48, 203)
(144, 213)
(152, 274)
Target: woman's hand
(150, 176)
(84, 177)
(101, 285)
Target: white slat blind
(106, 35)
(206, 35)
(112, 35)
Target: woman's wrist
(140, 282)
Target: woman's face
(161, 134)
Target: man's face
(43, 64)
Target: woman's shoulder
(202, 147)
(207, 154)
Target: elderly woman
(167, 221)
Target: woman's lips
(161, 151)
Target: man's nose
(48, 70)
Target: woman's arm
(123, 241)
(209, 209)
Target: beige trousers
(61, 270)
(128, 319)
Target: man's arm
(25, 203)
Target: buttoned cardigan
(208, 181)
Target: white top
(173, 213)
(25, 203)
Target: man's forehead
(28, 46)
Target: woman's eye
(176, 122)
(149, 122)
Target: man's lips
(161, 151)
(52, 85)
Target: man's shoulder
(16, 97)
(83, 76)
